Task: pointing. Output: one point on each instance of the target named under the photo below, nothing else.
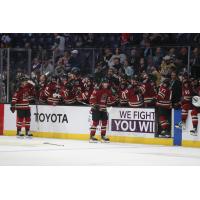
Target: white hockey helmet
(196, 101)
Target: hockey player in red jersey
(67, 94)
(99, 100)
(164, 106)
(42, 98)
(84, 94)
(195, 111)
(20, 103)
(133, 94)
(52, 91)
(32, 92)
(186, 102)
(123, 101)
(148, 92)
(76, 81)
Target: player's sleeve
(111, 99)
(14, 99)
(93, 98)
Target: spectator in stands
(182, 59)
(116, 64)
(142, 66)
(119, 55)
(166, 67)
(195, 62)
(74, 59)
(156, 75)
(66, 60)
(157, 58)
(107, 57)
(134, 57)
(47, 67)
(128, 69)
(6, 40)
(60, 69)
(59, 44)
(147, 49)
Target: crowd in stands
(96, 40)
(112, 55)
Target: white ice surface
(15, 151)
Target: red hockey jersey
(148, 92)
(187, 94)
(102, 98)
(123, 100)
(68, 97)
(52, 93)
(134, 100)
(41, 94)
(85, 95)
(164, 97)
(20, 99)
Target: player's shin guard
(27, 126)
(194, 118)
(19, 126)
(164, 126)
(103, 127)
(93, 128)
(184, 115)
(103, 131)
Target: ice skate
(104, 139)
(29, 134)
(20, 135)
(162, 134)
(193, 132)
(93, 139)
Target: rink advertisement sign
(58, 119)
(132, 120)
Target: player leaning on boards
(20, 103)
(99, 100)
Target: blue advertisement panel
(177, 131)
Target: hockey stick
(109, 108)
(60, 145)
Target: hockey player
(20, 103)
(123, 101)
(148, 92)
(164, 106)
(67, 94)
(195, 112)
(133, 94)
(42, 98)
(84, 95)
(32, 92)
(76, 81)
(52, 91)
(186, 103)
(99, 100)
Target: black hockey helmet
(105, 80)
(69, 86)
(75, 71)
(53, 78)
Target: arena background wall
(73, 122)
